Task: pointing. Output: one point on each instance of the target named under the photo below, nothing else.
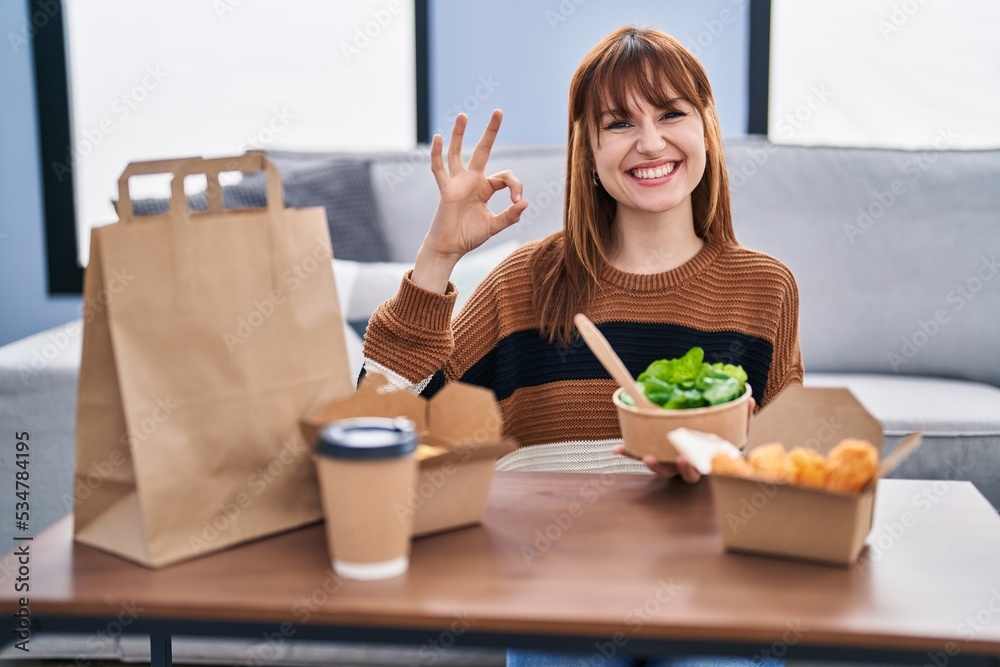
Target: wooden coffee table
(599, 564)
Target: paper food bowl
(644, 430)
(452, 489)
(791, 521)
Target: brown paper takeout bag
(207, 335)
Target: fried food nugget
(810, 468)
(428, 451)
(770, 463)
(724, 464)
(852, 465)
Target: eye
(616, 125)
(673, 115)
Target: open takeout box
(798, 522)
(452, 489)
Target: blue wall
(25, 306)
(519, 56)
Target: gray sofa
(895, 254)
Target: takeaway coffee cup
(366, 471)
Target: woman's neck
(655, 242)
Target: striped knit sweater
(741, 306)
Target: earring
(593, 176)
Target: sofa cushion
(937, 406)
(342, 186)
(896, 253)
(960, 421)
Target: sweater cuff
(422, 308)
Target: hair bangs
(637, 69)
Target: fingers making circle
(507, 179)
(508, 217)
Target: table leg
(159, 650)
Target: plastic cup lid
(367, 438)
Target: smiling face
(649, 157)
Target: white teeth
(658, 172)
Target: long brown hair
(627, 63)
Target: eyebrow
(618, 112)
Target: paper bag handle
(126, 213)
(246, 163)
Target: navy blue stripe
(437, 381)
(527, 359)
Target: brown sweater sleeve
(786, 363)
(411, 332)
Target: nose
(651, 140)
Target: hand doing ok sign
(463, 221)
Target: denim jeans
(540, 659)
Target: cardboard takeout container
(644, 430)
(792, 521)
(452, 489)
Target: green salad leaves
(689, 382)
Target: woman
(647, 252)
